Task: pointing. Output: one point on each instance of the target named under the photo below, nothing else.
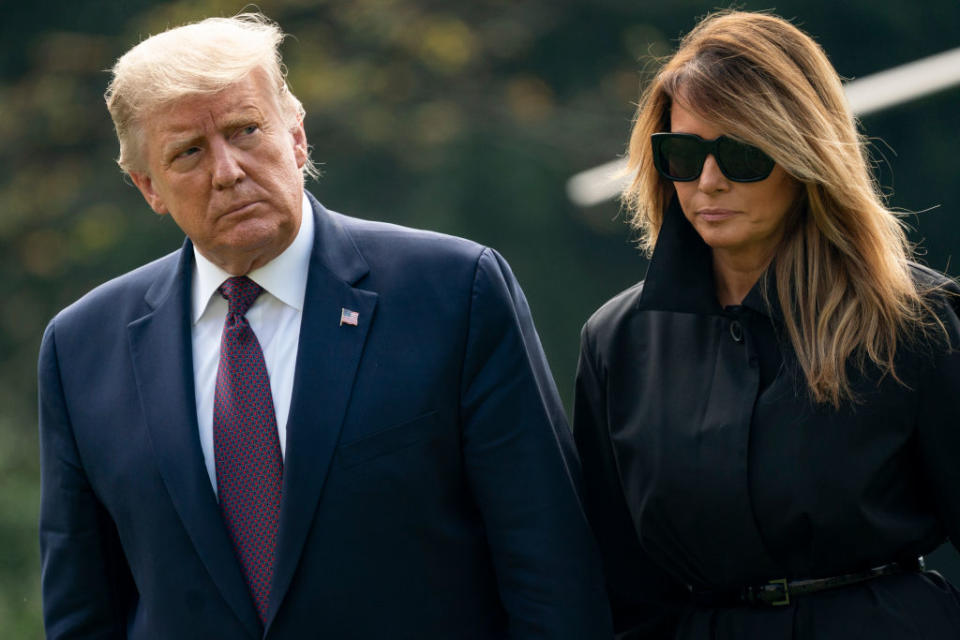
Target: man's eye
(187, 152)
(249, 129)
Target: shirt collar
(284, 277)
(680, 275)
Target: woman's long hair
(842, 269)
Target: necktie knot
(240, 293)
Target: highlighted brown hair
(842, 270)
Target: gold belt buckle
(786, 592)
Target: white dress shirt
(274, 317)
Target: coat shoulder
(121, 298)
(607, 321)
(940, 290)
(374, 238)
(926, 278)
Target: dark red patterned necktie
(246, 445)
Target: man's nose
(226, 170)
(711, 178)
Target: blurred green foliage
(461, 117)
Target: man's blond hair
(203, 57)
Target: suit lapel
(161, 348)
(327, 360)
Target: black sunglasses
(680, 157)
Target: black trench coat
(707, 467)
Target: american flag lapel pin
(349, 316)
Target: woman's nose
(711, 178)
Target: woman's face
(745, 220)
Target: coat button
(736, 331)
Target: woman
(770, 423)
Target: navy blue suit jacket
(429, 485)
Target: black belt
(779, 592)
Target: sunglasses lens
(681, 158)
(742, 162)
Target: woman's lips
(716, 215)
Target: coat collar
(333, 248)
(680, 275)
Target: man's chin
(246, 253)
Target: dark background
(461, 117)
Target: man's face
(226, 166)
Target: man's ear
(299, 143)
(145, 185)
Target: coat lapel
(161, 348)
(327, 361)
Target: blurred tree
(461, 117)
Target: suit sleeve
(522, 468)
(85, 580)
(938, 420)
(645, 601)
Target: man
(301, 424)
